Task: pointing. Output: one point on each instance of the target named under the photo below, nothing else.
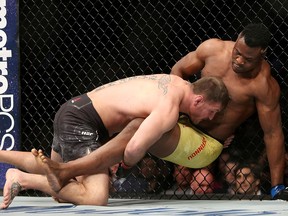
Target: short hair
(254, 169)
(213, 89)
(256, 35)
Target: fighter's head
(250, 48)
(210, 97)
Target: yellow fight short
(195, 149)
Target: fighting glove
(279, 192)
(123, 170)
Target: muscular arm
(196, 60)
(270, 119)
(192, 63)
(161, 120)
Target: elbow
(133, 154)
(128, 153)
(176, 70)
(173, 70)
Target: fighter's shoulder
(265, 72)
(265, 82)
(214, 45)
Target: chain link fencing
(71, 47)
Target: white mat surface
(46, 206)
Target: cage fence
(70, 47)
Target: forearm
(132, 157)
(179, 71)
(180, 68)
(276, 157)
(176, 70)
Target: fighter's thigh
(167, 143)
(96, 188)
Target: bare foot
(11, 188)
(51, 169)
(39, 156)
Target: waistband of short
(84, 103)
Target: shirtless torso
(158, 95)
(251, 88)
(244, 91)
(116, 111)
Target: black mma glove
(279, 192)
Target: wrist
(125, 166)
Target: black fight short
(78, 129)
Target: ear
(263, 52)
(198, 99)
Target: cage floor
(23, 205)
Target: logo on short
(86, 133)
(75, 100)
(199, 149)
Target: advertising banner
(9, 81)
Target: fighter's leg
(100, 159)
(17, 180)
(54, 161)
(87, 190)
(22, 160)
(167, 143)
